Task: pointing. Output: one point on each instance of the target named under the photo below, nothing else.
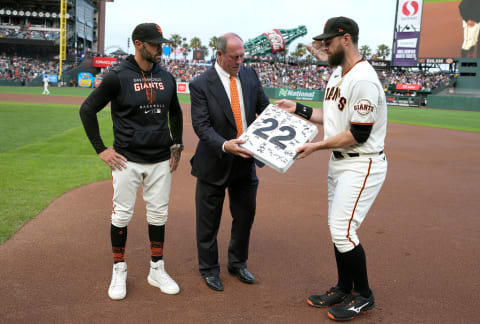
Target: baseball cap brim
(158, 40)
(326, 36)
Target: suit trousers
(242, 191)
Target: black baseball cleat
(332, 297)
(351, 307)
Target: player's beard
(336, 58)
(149, 57)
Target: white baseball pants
(470, 35)
(353, 185)
(156, 179)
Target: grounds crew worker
(147, 127)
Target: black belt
(340, 155)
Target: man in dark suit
(225, 100)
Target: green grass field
(54, 91)
(44, 151)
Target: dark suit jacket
(213, 122)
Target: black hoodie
(146, 114)
(470, 10)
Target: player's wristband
(303, 111)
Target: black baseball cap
(338, 26)
(149, 32)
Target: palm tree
(175, 41)
(186, 50)
(213, 45)
(205, 50)
(300, 51)
(283, 54)
(365, 51)
(383, 50)
(195, 43)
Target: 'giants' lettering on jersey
(139, 86)
(333, 94)
(363, 107)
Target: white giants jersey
(357, 97)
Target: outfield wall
(454, 102)
(295, 94)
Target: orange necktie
(235, 102)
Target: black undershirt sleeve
(96, 101)
(361, 132)
(176, 117)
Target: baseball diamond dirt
(422, 235)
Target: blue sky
(248, 18)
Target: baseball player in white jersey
(45, 85)
(354, 118)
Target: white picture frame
(275, 135)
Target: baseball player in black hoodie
(147, 127)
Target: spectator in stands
(272, 74)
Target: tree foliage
(383, 51)
(195, 43)
(365, 51)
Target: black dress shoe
(214, 283)
(243, 274)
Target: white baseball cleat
(118, 286)
(158, 277)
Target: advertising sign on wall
(52, 78)
(97, 81)
(198, 55)
(182, 87)
(298, 94)
(408, 86)
(405, 51)
(85, 80)
(103, 62)
(409, 14)
(407, 32)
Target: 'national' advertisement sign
(298, 94)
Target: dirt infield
(421, 238)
